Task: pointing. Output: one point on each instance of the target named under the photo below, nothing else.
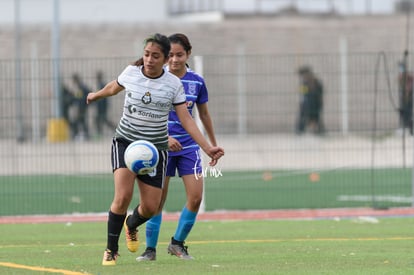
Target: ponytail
(139, 62)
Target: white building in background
(131, 11)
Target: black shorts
(155, 178)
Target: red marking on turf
(229, 215)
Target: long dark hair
(161, 40)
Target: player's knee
(149, 210)
(194, 203)
(122, 200)
(120, 206)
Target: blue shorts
(155, 178)
(186, 164)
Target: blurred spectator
(80, 124)
(101, 118)
(68, 100)
(405, 79)
(311, 102)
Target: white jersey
(147, 104)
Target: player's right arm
(110, 89)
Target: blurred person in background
(184, 154)
(68, 100)
(405, 88)
(150, 93)
(80, 124)
(311, 102)
(101, 116)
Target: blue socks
(152, 230)
(185, 223)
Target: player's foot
(131, 237)
(148, 255)
(178, 249)
(109, 257)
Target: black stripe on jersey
(175, 104)
(119, 84)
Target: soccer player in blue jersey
(150, 93)
(184, 156)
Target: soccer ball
(141, 157)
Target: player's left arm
(205, 118)
(214, 152)
(110, 89)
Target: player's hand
(215, 153)
(213, 162)
(174, 145)
(90, 98)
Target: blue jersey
(196, 93)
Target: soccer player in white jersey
(184, 155)
(150, 93)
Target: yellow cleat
(131, 237)
(109, 258)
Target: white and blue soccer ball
(141, 157)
